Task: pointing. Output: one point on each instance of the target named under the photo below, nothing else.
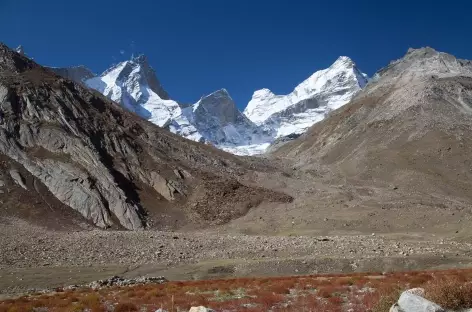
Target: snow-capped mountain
(309, 102)
(134, 85)
(213, 119)
(219, 120)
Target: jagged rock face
(411, 126)
(96, 158)
(310, 102)
(76, 73)
(149, 77)
(221, 123)
(220, 104)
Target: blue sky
(200, 46)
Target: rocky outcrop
(105, 163)
(74, 174)
(168, 188)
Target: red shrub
(126, 307)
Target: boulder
(416, 291)
(411, 302)
(395, 308)
(200, 309)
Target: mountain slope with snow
(213, 119)
(310, 101)
(133, 84)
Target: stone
(178, 174)
(416, 291)
(120, 281)
(200, 309)
(395, 308)
(410, 302)
(16, 176)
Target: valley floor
(35, 258)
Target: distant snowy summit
(309, 102)
(215, 119)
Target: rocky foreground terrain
(38, 258)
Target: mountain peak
(425, 61)
(344, 60)
(422, 49)
(309, 102)
(20, 50)
(133, 73)
(140, 59)
(262, 93)
(219, 93)
(14, 61)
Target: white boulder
(200, 309)
(412, 301)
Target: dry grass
(373, 292)
(450, 293)
(126, 307)
(382, 299)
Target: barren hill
(402, 148)
(68, 152)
